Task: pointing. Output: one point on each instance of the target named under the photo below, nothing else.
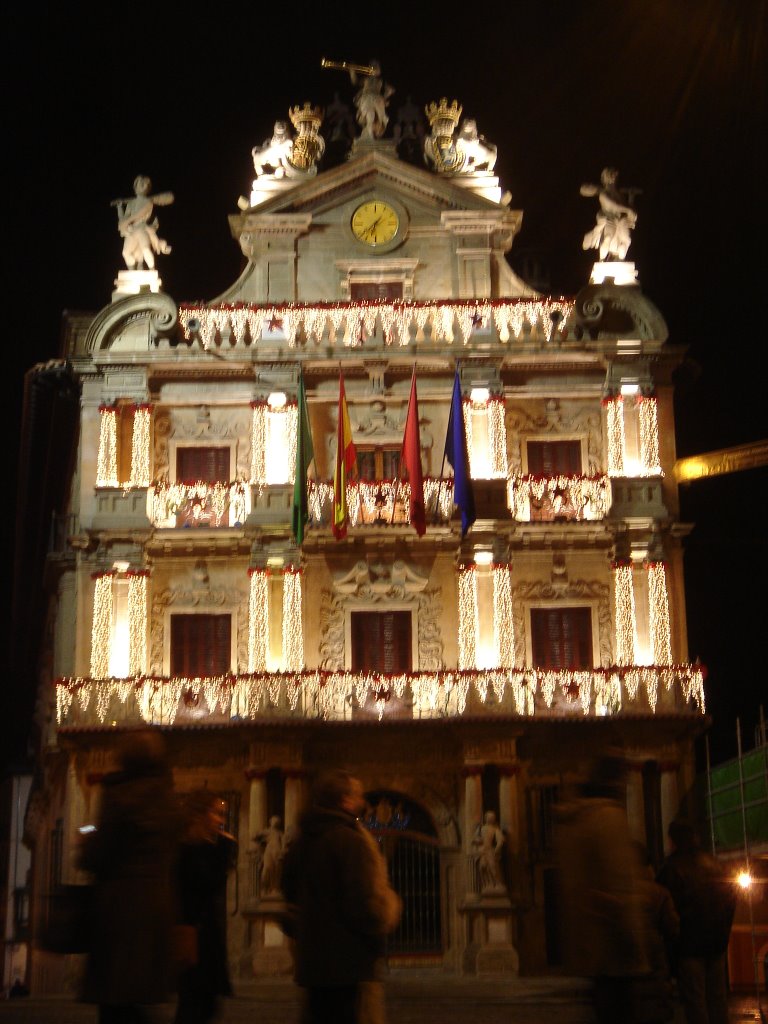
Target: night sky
(671, 94)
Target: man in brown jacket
(336, 878)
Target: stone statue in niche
(488, 842)
(137, 228)
(611, 235)
(273, 850)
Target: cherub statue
(479, 155)
(140, 233)
(275, 153)
(273, 841)
(615, 219)
(488, 841)
(371, 102)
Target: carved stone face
(280, 131)
(468, 129)
(142, 185)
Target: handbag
(67, 926)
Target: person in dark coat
(706, 901)
(206, 856)
(336, 878)
(653, 993)
(131, 854)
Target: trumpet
(343, 65)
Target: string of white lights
(258, 620)
(658, 609)
(625, 618)
(137, 622)
(293, 630)
(101, 627)
(503, 626)
(106, 460)
(468, 617)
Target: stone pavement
(415, 998)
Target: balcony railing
(381, 502)
(346, 696)
(198, 504)
(357, 324)
(564, 498)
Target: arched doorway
(408, 838)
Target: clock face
(375, 223)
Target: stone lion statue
(275, 153)
(479, 155)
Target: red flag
(346, 459)
(410, 458)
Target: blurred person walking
(601, 925)
(336, 878)
(131, 854)
(706, 901)
(653, 993)
(206, 855)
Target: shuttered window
(554, 458)
(205, 464)
(378, 463)
(561, 638)
(376, 291)
(200, 645)
(381, 641)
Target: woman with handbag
(205, 857)
(131, 854)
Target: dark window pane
(381, 642)
(366, 464)
(200, 645)
(208, 465)
(376, 291)
(390, 463)
(554, 458)
(561, 638)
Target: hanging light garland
(101, 626)
(658, 609)
(503, 627)
(370, 502)
(576, 496)
(497, 438)
(469, 626)
(137, 621)
(614, 412)
(258, 620)
(293, 630)
(106, 462)
(332, 694)
(258, 442)
(647, 409)
(140, 446)
(624, 601)
(273, 443)
(512, 318)
(202, 503)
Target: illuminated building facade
(457, 675)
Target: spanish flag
(346, 463)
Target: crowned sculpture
(309, 145)
(440, 150)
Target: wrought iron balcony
(564, 498)
(381, 502)
(198, 504)
(83, 703)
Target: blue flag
(456, 454)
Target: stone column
(670, 797)
(294, 798)
(473, 802)
(257, 806)
(635, 801)
(509, 804)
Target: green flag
(305, 453)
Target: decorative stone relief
(374, 583)
(205, 424)
(202, 599)
(563, 590)
(549, 417)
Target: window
(376, 291)
(554, 458)
(378, 463)
(381, 641)
(200, 645)
(205, 464)
(561, 638)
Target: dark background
(673, 94)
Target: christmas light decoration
(200, 503)
(140, 447)
(101, 627)
(273, 441)
(575, 497)
(625, 620)
(333, 694)
(258, 443)
(468, 617)
(258, 620)
(614, 412)
(293, 630)
(516, 319)
(137, 622)
(106, 463)
(503, 628)
(370, 502)
(658, 608)
(647, 410)
(497, 438)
